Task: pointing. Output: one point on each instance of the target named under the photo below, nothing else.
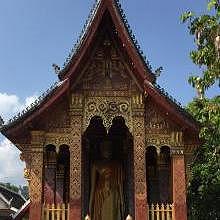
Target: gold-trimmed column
(75, 136)
(36, 178)
(179, 184)
(138, 116)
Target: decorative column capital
(138, 105)
(76, 105)
(177, 151)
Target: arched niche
(152, 174)
(91, 140)
(49, 171)
(122, 150)
(63, 175)
(164, 172)
(122, 146)
(158, 174)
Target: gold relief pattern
(107, 108)
(27, 174)
(58, 139)
(36, 177)
(139, 156)
(75, 156)
(107, 93)
(36, 167)
(160, 132)
(172, 139)
(177, 151)
(158, 140)
(59, 120)
(155, 123)
(106, 71)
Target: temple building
(105, 142)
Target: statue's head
(105, 149)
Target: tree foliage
(204, 188)
(206, 31)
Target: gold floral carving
(35, 174)
(107, 108)
(27, 174)
(139, 152)
(58, 139)
(58, 121)
(172, 139)
(106, 71)
(75, 153)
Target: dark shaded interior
(122, 150)
(158, 178)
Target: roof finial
(56, 68)
(158, 71)
(1, 121)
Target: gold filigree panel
(139, 156)
(58, 139)
(75, 157)
(106, 70)
(35, 176)
(172, 139)
(107, 108)
(158, 123)
(58, 120)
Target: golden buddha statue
(106, 196)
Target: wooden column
(75, 157)
(36, 180)
(138, 111)
(179, 185)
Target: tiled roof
(16, 199)
(22, 211)
(29, 109)
(173, 101)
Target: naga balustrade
(61, 212)
(55, 212)
(161, 212)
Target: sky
(36, 34)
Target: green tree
(206, 31)
(204, 188)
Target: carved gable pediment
(158, 123)
(106, 69)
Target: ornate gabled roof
(142, 68)
(34, 106)
(86, 28)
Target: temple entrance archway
(121, 146)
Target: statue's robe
(106, 197)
